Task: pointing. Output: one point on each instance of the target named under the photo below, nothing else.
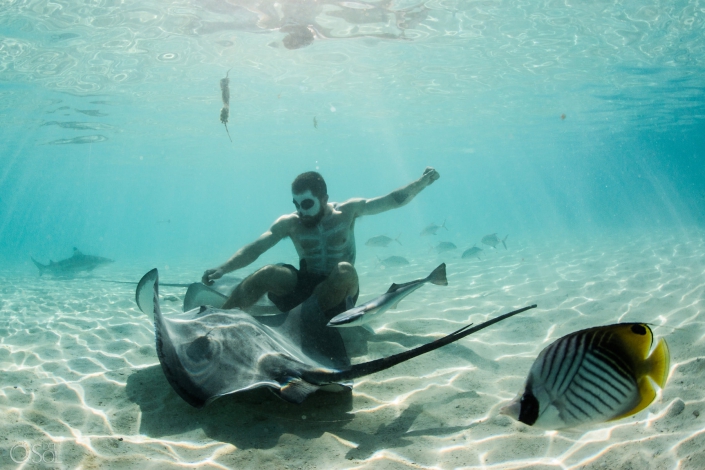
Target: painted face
(307, 205)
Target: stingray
(207, 353)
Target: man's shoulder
(285, 223)
(351, 205)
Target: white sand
(79, 374)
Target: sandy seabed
(81, 386)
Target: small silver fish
(381, 241)
(442, 247)
(470, 252)
(591, 376)
(394, 261)
(493, 240)
(362, 314)
(432, 229)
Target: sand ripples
(79, 370)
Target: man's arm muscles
(250, 252)
(397, 198)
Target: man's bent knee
(345, 272)
(273, 278)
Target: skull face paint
(307, 205)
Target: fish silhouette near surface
(394, 261)
(77, 263)
(493, 240)
(381, 241)
(472, 252)
(84, 139)
(362, 314)
(81, 126)
(207, 353)
(591, 376)
(431, 229)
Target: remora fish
(225, 95)
(381, 241)
(364, 313)
(432, 229)
(76, 263)
(493, 240)
(474, 251)
(208, 353)
(593, 375)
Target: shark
(208, 353)
(362, 314)
(78, 262)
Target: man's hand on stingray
(211, 275)
(430, 175)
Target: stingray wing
(207, 353)
(199, 294)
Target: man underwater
(323, 235)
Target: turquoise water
(556, 123)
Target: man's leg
(341, 283)
(276, 279)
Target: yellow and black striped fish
(593, 375)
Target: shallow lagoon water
(81, 357)
(576, 130)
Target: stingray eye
(639, 330)
(529, 410)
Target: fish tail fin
(505, 239)
(438, 276)
(397, 239)
(659, 363)
(42, 267)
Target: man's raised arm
(250, 252)
(398, 197)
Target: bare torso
(327, 243)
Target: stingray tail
(226, 130)
(366, 368)
(505, 239)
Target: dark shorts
(306, 282)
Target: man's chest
(331, 232)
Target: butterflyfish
(591, 376)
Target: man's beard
(313, 220)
